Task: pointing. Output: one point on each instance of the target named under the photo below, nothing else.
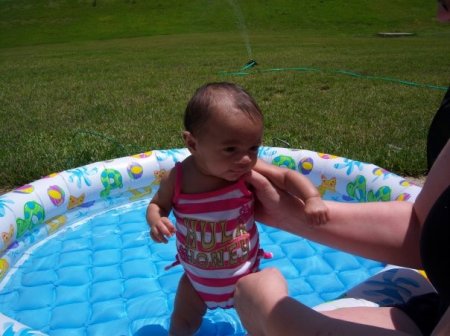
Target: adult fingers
(261, 184)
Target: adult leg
(384, 317)
(265, 309)
(188, 311)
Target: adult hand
(274, 206)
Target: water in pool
(104, 276)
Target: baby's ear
(189, 141)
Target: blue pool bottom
(104, 276)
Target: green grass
(25, 22)
(80, 84)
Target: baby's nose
(245, 159)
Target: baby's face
(228, 146)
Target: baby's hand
(162, 230)
(316, 211)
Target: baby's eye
(254, 148)
(229, 149)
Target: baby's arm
(299, 186)
(159, 208)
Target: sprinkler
(250, 64)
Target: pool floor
(104, 276)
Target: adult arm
(443, 327)
(385, 231)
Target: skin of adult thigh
(384, 317)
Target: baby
(216, 236)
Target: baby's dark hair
(209, 97)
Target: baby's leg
(188, 311)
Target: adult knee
(253, 295)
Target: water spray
(240, 22)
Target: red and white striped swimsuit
(217, 239)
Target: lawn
(80, 83)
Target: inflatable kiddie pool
(76, 257)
